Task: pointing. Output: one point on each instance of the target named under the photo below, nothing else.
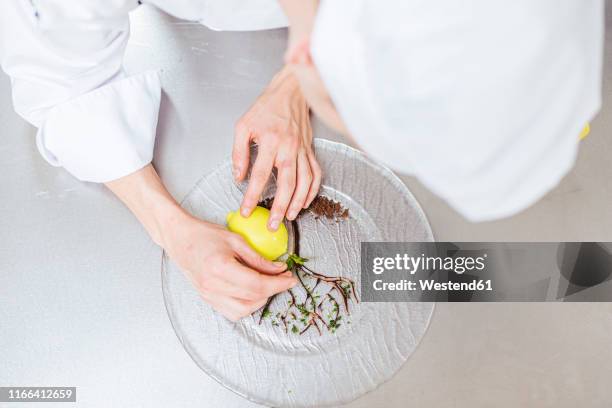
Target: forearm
(145, 195)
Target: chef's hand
(279, 123)
(229, 275)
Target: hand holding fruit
(230, 275)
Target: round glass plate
(271, 364)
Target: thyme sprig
(309, 312)
(311, 308)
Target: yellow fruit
(254, 229)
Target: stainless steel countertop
(80, 288)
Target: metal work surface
(80, 289)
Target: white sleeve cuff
(107, 133)
(240, 15)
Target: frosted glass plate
(263, 362)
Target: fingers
(231, 278)
(251, 285)
(285, 186)
(259, 177)
(317, 176)
(241, 151)
(304, 181)
(231, 308)
(251, 258)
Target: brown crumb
(321, 206)
(330, 209)
(266, 203)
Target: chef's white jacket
(65, 63)
(482, 100)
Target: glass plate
(269, 365)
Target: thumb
(251, 258)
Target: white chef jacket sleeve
(65, 65)
(240, 15)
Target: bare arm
(145, 195)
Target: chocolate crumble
(321, 206)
